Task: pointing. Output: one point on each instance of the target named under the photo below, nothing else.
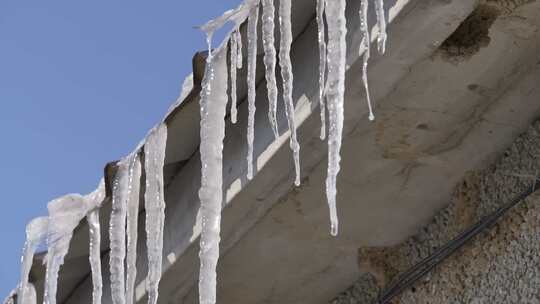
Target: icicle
(125, 199)
(117, 231)
(237, 16)
(270, 61)
(93, 202)
(95, 255)
(30, 296)
(65, 213)
(132, 227)
(209, 43)
(381, 24)
(36, 232)
(322, 63)
(252, 66)
(155, 207)
(213, 102)
(365, 47)
(233, 49)
(236, 64)
(240, 58)
(287, 76)
(337, 50)
(212, 133)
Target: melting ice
(154, 199)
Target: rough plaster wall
(501, 265)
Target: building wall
(501, 265)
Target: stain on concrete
(473, 33)
(422, 126)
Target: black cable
(413, 274)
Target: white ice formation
(268, 25)
(65, 213)
(154, 199)
(285, 29)
(132, 226)
(321, 38)
(36, 233)
(253, 20)
(337, 49)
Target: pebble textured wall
(501, 265)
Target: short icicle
(251, 83)
(132, 227)
(268, 25)
(337, 50)
(65, 213)
(95, 255)
(36, 232)
(240, 57)
(321, 37)
(233, 49)
(381, 24)
(365, 48)
(287, 76)
(154, 199)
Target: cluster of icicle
(332, 22)
(67, 212)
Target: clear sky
(81, 82)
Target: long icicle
(337, 51)
(117, 231)
(93, 202)
(252, 66)
(36, 232)
(213, 103)
(381, 24)
(132, 227)
(287, 77)
(154, 200)
(268, 25)
(233, 49)
(95, 255)
(321, 37)
(365, 48)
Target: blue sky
(81, 82)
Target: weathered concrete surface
(438, 121)
(437, 118)
(501, 265)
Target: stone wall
(501, 265)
